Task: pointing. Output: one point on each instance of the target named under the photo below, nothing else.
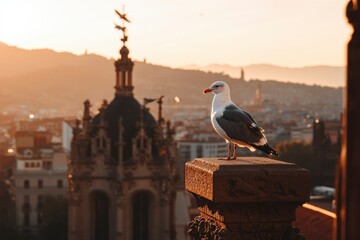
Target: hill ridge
(65, 81)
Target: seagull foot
(233, 158)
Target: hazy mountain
(44, 78)
(333, 76)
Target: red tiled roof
(315, 223)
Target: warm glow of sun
(177, 33)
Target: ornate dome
(125, 107)
(129, 109)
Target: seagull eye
(216, 86)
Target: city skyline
(179, 33)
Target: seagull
(122, 16)
(235, 125)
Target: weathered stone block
(246, 198)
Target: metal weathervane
(122, 27)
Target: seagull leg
(229, 151)
(234, 153)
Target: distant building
(304, 134)
(52, 125)
(7, 154)
(190, 149)
(41, 170)
(326, 145)
(242, 75)
(67, 134)
(122, 171)
(258, 96)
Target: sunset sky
(180, 32)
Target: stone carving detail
(129, 180)
(264, 231)
(353, 17)
(265, 210)
(164, 192)
(260, 187)
(142, 142)
(75, 199)
(201, 228)
(117, 187)
(250, 199)
(240, 186)
(86, 177)
(80, 147)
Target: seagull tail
(266, 149)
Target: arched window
(100, 216)
(141, 216)
(28, 153)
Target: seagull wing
(240, 125)
(232, 112)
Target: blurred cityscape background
(53, 102)
(302, 121)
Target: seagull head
(218, 87)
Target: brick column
(247, 198)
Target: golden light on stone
(355, 4)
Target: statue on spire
(124, 64)
(122, 28)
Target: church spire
(242, 75)
(123, 65)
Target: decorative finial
(103, 106)
(87, 106)
(353, 12)
(124, 64)
(86, 115)
(122, 28)
(160, 118)
(77, 123)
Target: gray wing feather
(240, 125)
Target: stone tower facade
(122, 171)
(242, 75)
(258, 96)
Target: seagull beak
(207, 90)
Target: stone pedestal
(246, 198)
